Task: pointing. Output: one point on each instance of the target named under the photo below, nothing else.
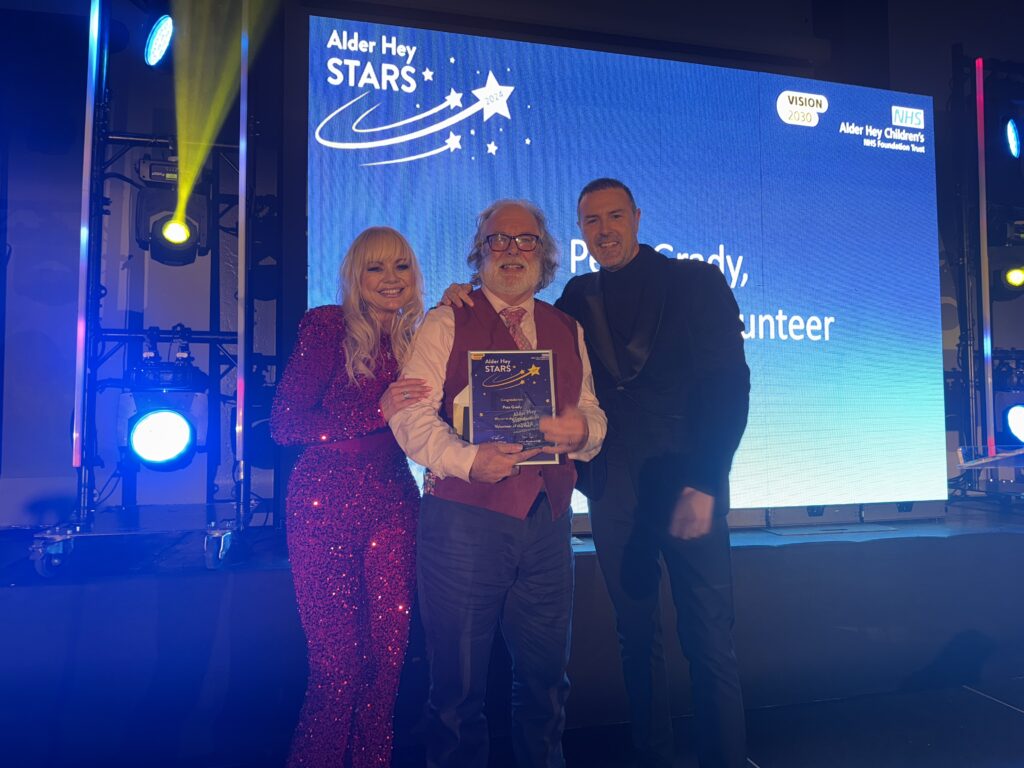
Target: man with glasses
(670, 373)
(493, 543)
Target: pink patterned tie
(513, 317)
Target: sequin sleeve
(314, 403)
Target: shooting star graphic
(491, 99)
(451, 101)
(500, 381)
(453, 142)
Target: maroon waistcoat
(480, 328)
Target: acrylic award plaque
(510, 391)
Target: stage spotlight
(1004, 185)
(173, 242)
(159, 40)
(162, 430)
(176, 232)
(163, 414)
(172, 237)
(1014, 277)
(1015, 421)
(161, 438)
(1006, 269)
(1013, 137)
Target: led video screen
(816, 200)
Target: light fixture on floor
(163, 414)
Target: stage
(869, 245)
(897, 644)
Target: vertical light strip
(92, 68)
(986, 303)
(243, 261)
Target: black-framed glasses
(499, 241)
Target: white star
(529, 141)
(427, 75)
(492, 148)
(453, 99)
(453, 142)
(472, 131)
(494, 97)
(451, 59)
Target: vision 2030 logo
(798, 108)
(906, 117)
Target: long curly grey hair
(547, 249)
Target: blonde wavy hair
(362, 328)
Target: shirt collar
(499, 305)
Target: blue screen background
(825, 225)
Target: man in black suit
(664, 339)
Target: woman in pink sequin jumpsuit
(352, 502)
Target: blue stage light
(161, 438)
(1015, 421)
(159, 40)
(1013, 137)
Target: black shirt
(624, 299)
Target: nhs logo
(907, 117)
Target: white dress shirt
(429, 440)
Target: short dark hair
(605, 183)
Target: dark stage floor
(912, 633)
(964, 727)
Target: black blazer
(679, 408)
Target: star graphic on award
(489, 100)
(505, 381)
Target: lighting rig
(169, 407)
(988, 267)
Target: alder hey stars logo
(390, 71)
(510, 379)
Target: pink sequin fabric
(351, 524)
